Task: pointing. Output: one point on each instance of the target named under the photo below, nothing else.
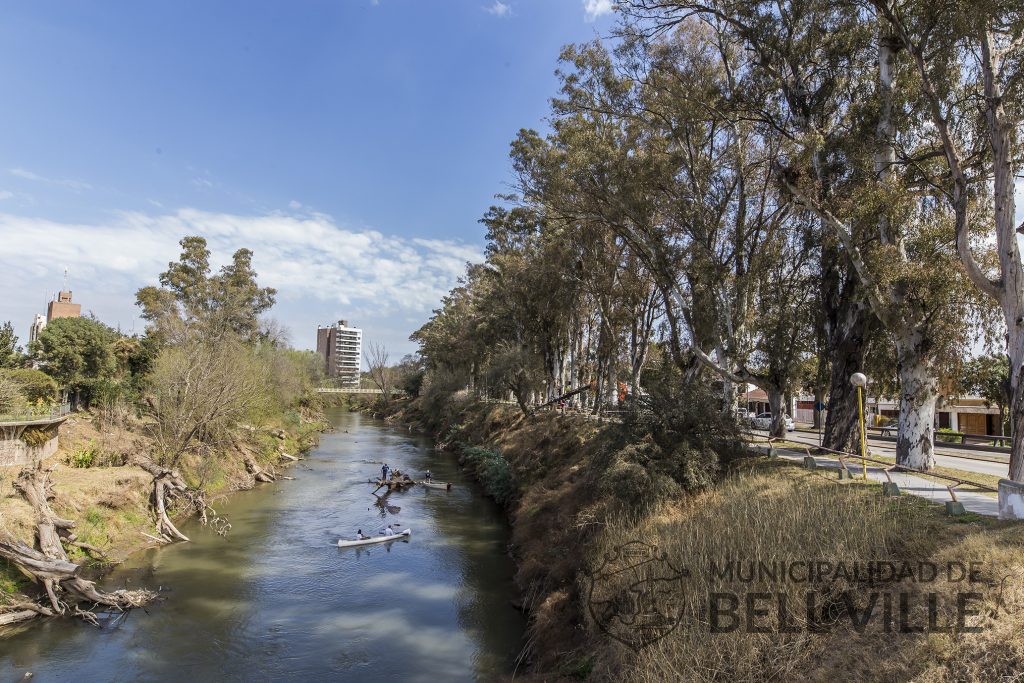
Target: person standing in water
(384, 472)
(427, 477)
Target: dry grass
(776, 513)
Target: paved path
(995, 464)
(930, 489)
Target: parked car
(764, 421)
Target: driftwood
(256, 471)
(291, 458)
(50, 566)
(393, 484)
(167, 484)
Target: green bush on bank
(492, 470)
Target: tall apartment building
(37, 327)
(342, 349)
(61, 307)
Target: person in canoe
(427, 477)
(359, 535)
(388, 531)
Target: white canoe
(376, 539)
(437, 484)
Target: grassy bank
(568, 496)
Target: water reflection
(275, 601)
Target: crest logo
(636, 594)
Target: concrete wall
(15, 452)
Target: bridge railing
(37, 413)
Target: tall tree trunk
(919, 390)
(847, 344)
(775, 400)
(1016, 411)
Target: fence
(39, 414)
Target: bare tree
(381, 375)
(200, 392)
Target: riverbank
(95, 485)
(576, 509)
(278, 600)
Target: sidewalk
(912, 484)
(994, 464)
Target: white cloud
(6, 194)
(293, 204)
(76, 185)
(499, 9)
(321, 270)
(596, 8)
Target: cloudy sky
(351, 144)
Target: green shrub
(84, 456)
(637, 480)
(493, 471)
(676, 430)
(947, 435)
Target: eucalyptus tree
(908, 270)
(653, 145)
(808, 58)
(969, 61)
(191, 300)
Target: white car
(764, 421)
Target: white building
(342, 349)
(37, 327)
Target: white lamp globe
(859, 379)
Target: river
(277, 600)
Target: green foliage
(84, 456)
(410, 373)
(493, 471)
(12, 401)
(989, 377)
(11, 580)
(947, 435)
(35, 385)
(674, 434)
(77, 353)
(191, 299)
(10, 352)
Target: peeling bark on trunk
(915, 441)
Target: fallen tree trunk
(15, 617)
(50, 565)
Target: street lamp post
(859, 380)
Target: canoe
(376, 539)
(447, 485)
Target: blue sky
(352, 144)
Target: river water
(277, 600)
